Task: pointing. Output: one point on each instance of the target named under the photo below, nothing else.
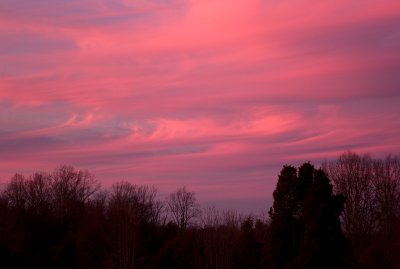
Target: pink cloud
(215, 95)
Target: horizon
(257, 207)
(212, 95)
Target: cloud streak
(214, 95)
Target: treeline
(64, 219)
(345, 215)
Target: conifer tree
(305, 230)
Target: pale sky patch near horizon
(215, 95)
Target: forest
(345, 214)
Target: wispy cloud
(216, 95)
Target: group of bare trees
(57, 190)
(64, 219)
(372, 209)
(65, 187)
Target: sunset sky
(216, 95)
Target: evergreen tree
(283, 240)
(324, 245)
(305, 230)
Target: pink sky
(216, 95)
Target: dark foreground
(63, 219)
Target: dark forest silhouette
(344, 215)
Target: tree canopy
(305, 230)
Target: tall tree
(285, 227)
(305, 230)
(352, 176)
(132, 211)
(324, 245)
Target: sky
(214, 95)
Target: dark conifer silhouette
(286, 227)
(305, 230)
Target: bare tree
(70, 186)
(386, 180)
(122, 210)
(352, 176)
(372, 191)
(210, 217)
(371, 187)
(130, 207)
(15, 191)
(232, 218)
(38, 191)
(183, 207)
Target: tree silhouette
(62, 219)
(286, 226)
(324, 245)
(183, 207)
(305, 230)
(132, 211)
(372, 208)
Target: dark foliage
(64, 220)
(305, 230)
